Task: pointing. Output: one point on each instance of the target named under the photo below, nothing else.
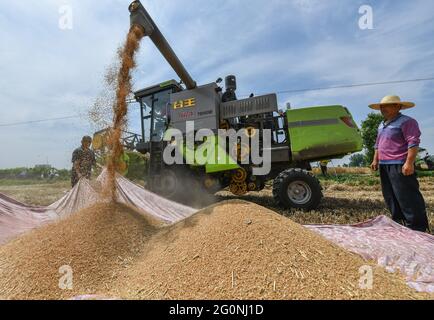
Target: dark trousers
(324, 170)
(403, 197)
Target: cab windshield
(157, 108)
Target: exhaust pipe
(139, 16)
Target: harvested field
(234, 250)
(344, 203)
(38, 194)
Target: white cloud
(269, 45)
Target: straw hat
(388, 100)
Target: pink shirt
(395, 137)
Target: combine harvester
(298, 137)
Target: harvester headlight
(250, 132)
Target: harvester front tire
(297, 188)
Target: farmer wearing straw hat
(395, 154)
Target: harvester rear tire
(297, 188)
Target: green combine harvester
(298, 136)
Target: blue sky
(47, 72)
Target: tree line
(44, 172)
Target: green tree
(358, 160)
(137, 167)
(369, 133)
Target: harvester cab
(291, 139)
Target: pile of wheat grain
(234, 250)
(238, 250)
(96, 244)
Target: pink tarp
(136, 196)
(17, 218)
(391, 245)
(80, 197)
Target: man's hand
(374, 165)
(408, 169)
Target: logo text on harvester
(218, 310)
(257, 147)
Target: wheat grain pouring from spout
(120, 107)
